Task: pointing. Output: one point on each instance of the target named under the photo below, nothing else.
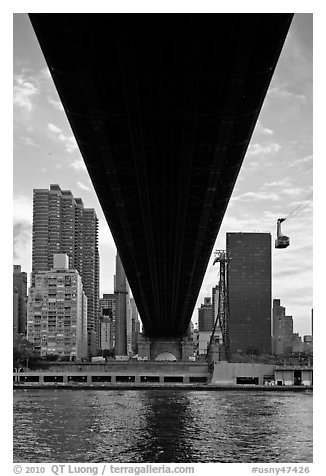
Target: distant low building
(297, 344)
(203, 338)
(308, 344)
(207, 314)
(285, 341)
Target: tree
(108, 353)
(23, 351)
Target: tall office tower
(249, 288)
(278, 313)
(215, 297)
(312, 322)
(135, 326)
(205, 316)
(205, 325)
(120, 292)
(282, 330)
(107, 322)
(19, 300)
(106, 331)
(57, 311)
(15, 307)
(61, 224)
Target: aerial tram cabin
(281, 241)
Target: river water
(165, 426)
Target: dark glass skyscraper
(250, 292)
(20, 300)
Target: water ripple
(162, 426)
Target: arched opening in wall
(165, 356)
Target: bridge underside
(163, 108)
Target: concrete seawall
(193, 375)
(174, 387)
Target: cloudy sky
(276, 176)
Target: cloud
(257, 196)
(55, 103)
(45, 74)
(305, 203)
(22, 239)
(25, 91)
(252, 165)
(23, 209)
(78, 164)
(260, 129)
(280, 183)
(28, 141)
(281, 93)
(22, 231)
(303, 160)
(293, 191)
(70, 144)
(29, 85)
(83, 187)
(259, 149)
(54, 128)
(267, 131)
(289, 272)
(104, 234)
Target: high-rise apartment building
(249, 288)
(61, 224)
(57, 312)
(107, 303)
(19, 300)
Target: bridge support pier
(166, 349)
